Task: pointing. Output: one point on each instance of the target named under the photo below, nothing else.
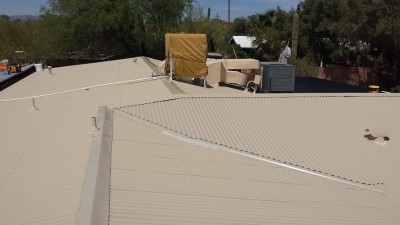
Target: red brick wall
(349, 75)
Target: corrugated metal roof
(43, 154)
(322, 134)
(157, 179)
(160, 180)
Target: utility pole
(228, 27)
(209, 13)
(229, 16)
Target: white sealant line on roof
(218, 147)
(89, 87)
(191, 141)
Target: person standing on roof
(285, 53)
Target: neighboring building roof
(4, 75)
(243, 41)
(182, 154)
(7, 79)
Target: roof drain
(253, 156)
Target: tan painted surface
(221, 70)
(166, 171)
(291, 130)
(157, 179)
(215, 70)
(43, 154)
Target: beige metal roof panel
(43, 154)
(157, 179)
(322, 134)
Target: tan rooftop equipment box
(189, 54)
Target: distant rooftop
(243, 41)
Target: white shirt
(285, 55)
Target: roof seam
(252, 97)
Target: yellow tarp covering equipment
(189, 54)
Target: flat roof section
(316, 85)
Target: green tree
(193, 15)
(270, 28)
(215, 30)
(240, 26)
(4, 17)
(17, 36)
(319, 20)
(384, 39)
(295, 37)
(121, 27)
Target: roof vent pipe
(171, 66)
(49, 68)
(94, 129)
(34, 108)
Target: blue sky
(238, 7)
(244, 8)
(20, 7)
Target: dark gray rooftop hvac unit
(277, 77)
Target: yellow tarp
(189, 53)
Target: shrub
(306, 67)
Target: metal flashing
(94, 203)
